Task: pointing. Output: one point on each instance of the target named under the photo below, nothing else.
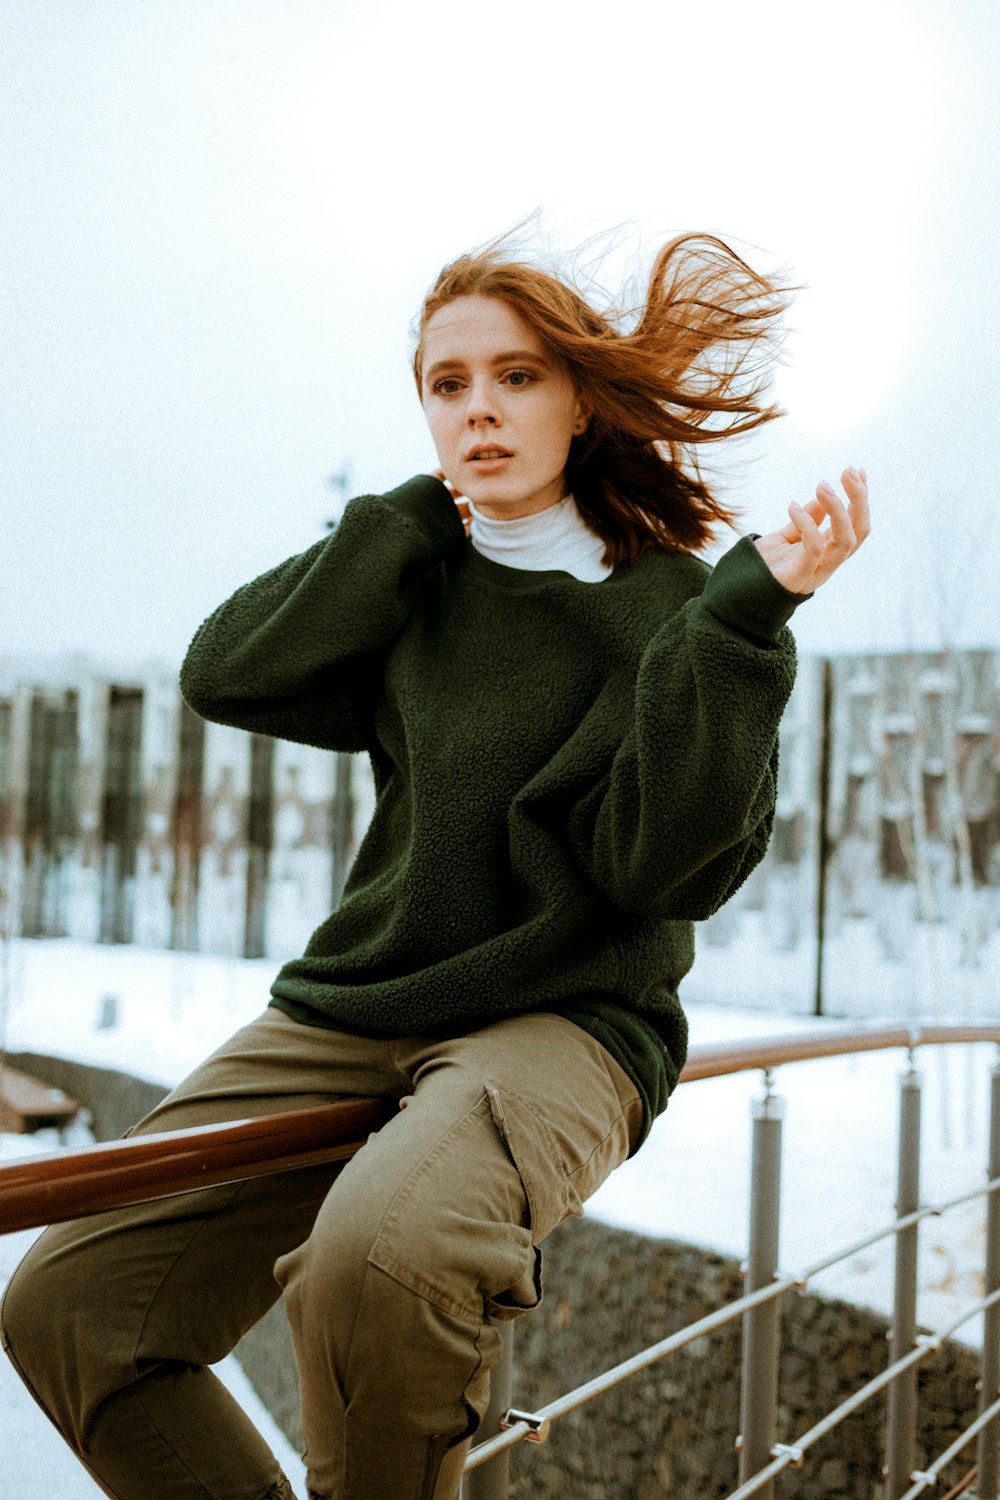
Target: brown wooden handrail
(717, 1059)
(69, 1184)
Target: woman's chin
(484, 494)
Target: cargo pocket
(550, 1193)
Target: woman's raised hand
(802, 555)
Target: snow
(173, 1008)
(690, 1181)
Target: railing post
(759, 1392)
(492, 1480)
(989, 1372)
(902, 1425)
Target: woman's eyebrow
(507, 357)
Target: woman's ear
(584, 412)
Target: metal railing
(67, 1185)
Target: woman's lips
(483, 462)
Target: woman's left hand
(800, 555)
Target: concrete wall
(115, 1100)
(668, 1432)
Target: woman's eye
(519, 378)
(446, 387)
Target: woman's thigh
(431, 1233)
(506, 1131)
(274, 1064)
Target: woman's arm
(297, 652)
(685, 811)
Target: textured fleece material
(567, 776)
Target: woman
(573, 727)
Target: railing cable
(924, 1478)
(928, 1211)
(792, 1454)
(550, 1413)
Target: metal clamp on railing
(538, 1427)
(796, 1456)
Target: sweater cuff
(743, 594)
(429, 504)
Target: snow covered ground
(690, 1179)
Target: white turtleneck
(555, 538)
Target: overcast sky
(219, 217)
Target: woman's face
(502, 411)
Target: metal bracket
(796, 1456)
(538, 1427)
(913, 1042)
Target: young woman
(573, 724)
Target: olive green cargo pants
(394, 1274)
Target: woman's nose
(482, 406)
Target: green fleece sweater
(568, 774)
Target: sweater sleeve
(296, 652)
(685, 811)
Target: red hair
(694, 368)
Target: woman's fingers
(810, 536)
(849, 525)
(793, 532)
(804, 554)
(841, 531)
(440, 474)
(855, 482)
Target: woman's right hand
(801, 556)
(460, 500)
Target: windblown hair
(691, 366)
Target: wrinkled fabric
(568, 774)
(395, 1272)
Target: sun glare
(844, 351)
(830, 188)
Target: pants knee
(60, 1349)
(23, 1319)
(30, 1339)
